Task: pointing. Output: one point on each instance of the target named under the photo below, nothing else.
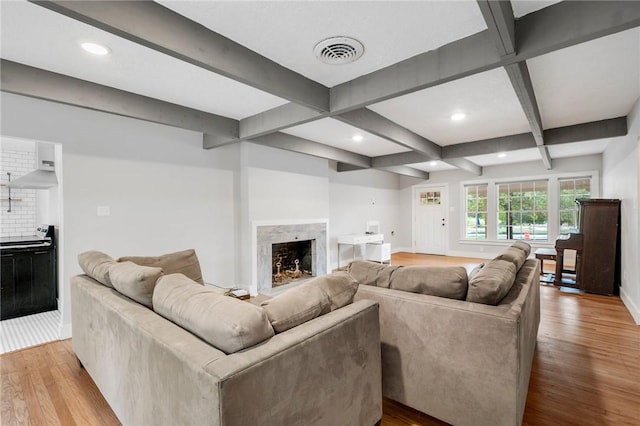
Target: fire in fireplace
(291, 261)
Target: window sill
(507, 243)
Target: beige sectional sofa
(464, 362)
(321, 366)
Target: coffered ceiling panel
(287, 31)
(519, 156)
(340, 135)
(580, 148)
(591, 81)
(432, 166)
(33, 35)
(488, 100)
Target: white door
(430, 224)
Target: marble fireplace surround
(265, 234)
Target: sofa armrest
(455, 360)
(326, 371)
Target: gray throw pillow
(514, 255)
(96, 264)
(371, 273)
(135, 281)
(492, 283)
(181, 262)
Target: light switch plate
(104, 211)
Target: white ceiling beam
(37, 83)
(500, 21)
(157, 27)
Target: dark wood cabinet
(600, 263)
(28, 283)
(597, 244)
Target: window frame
(553, 198)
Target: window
(476, 215)
(430, 198)
(522, 210)
(570, 190)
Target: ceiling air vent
(338, 50)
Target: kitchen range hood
(44, 176)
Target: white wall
(454, 178)
(621, 179)
(358, 196)
(164, 192)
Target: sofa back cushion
(224, 322)
(135, 281)
(371, 273)
(181, 262)
(492, 283)
(310, 299)
(96, 264)
(448, 281)
(513, 255)
(522, 245)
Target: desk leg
(559, 267)
(541, 266)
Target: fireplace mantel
(267, 233)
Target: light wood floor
(586, 370)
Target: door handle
(443, 224)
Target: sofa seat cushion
(96, 264)
(135, 281)
(449, 281)
(371, 273)
(492, 283)
(310, 300)
(181, 262)
(224, 322)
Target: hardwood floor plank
(586, 369)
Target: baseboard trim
(631, 307)
(401, 250)
(65, 331)
(472, 254)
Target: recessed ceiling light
(458, 116)
(357, 138)
(95, 48)
(433, 163)
(502, 154)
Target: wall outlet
(104, 211)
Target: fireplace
(306, 241)
(291, 261)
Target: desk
(354, 240)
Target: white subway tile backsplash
(22, 218)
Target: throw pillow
(475, 270)
(96, 264)
(135, 281)
(448, 281)
(514, 255)
(371, 273)
(492, 283)
(525, 247)
(340, 287)
(181, 262)
(296, 306)
(224, 322)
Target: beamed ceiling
(537, 80)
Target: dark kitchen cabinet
(28, 282)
